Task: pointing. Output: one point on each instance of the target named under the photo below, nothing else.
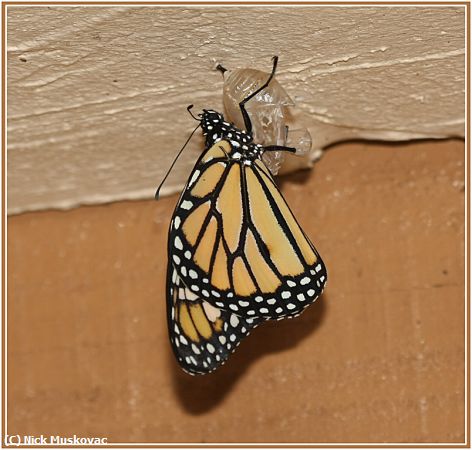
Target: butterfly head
(211, 121)
(215, 128)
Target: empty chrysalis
(269, 111)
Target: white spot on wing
(195, 349)
(186, 204)
(233, 320)
(210, 348)
(178, 243)
(194, 177)
(193, 274)
(305, 280)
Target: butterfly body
(215, 129)
(237, 255)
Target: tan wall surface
(379, 358)
(97, 95)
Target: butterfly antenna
(189, 107)
(247, 120)
(176, 158)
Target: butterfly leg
(279, 148)
(247, 120)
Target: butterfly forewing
(235, 243)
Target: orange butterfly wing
(235, 243)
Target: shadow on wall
(200, 394)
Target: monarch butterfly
(236, 254)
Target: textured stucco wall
(97, 95)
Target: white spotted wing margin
(202, 336)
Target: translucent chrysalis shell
(268, 111)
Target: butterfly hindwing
(201, 335)
(235, 243)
